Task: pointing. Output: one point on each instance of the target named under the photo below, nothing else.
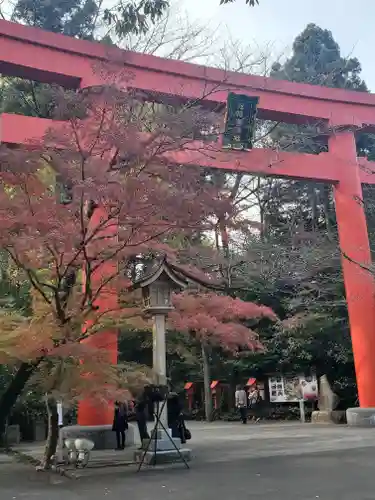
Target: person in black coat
(120, 424)
(141, 418)
(176, 417)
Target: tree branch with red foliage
(218, 319)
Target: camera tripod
(152, 444)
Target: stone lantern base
(162, 457)
(161, 450)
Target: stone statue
(328, 400)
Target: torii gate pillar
(359, 283)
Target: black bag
(187, 434)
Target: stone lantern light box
(157, 286)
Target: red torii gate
(52, 58)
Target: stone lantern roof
(161, 269)
(157, 283)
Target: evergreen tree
(89, 19)
(75, 18)
(316, 59)
(84, 19)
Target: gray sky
(279, 21)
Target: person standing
(241, 403)
(254, 403)
(120, 424)
(176, 417)
(140, 415)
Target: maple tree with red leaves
(81, 206)
(217, 320)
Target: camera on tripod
(155, 393)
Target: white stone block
(162, 457)
(103, 436)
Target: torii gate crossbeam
(48, 57)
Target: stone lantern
(157, 285)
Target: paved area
(266, 462)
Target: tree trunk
(314, 208)
(14, 389)
(327, 190)
(207, 383)
(53, 432)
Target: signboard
(240, 122)
(293, 389)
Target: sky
(278, 22)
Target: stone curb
(29, 459)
